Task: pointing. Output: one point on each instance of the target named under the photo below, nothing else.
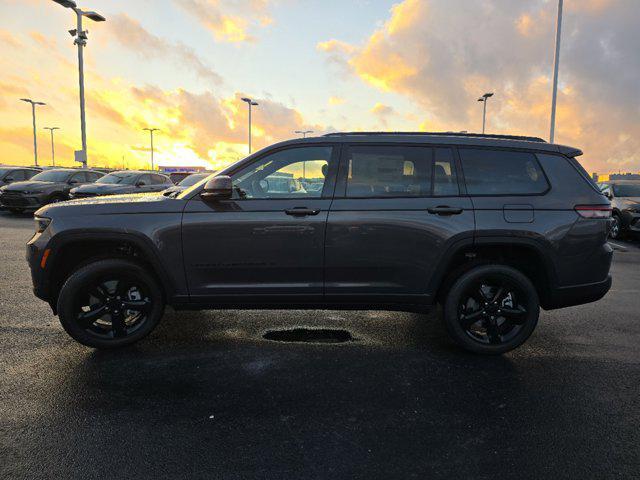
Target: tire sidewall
(92, 272)
(454, 295)
(618, 221)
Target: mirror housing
(218, 188)
(607, 194)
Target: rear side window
(387, 171)
(445, 181)
(499, 172)
(159, 179)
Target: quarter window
(498, 172)
(445, 181)
(386, 171)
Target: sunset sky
(183, 65)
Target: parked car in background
(10, 175)
(187, 182)
(625, 200)
(123, 182)
(49, 186)
(177, 177)
(493, 228)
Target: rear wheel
(491, 309)
(110, 303)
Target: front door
(397, 208)
(268, 240)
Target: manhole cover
(310, 335)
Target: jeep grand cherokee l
(493, 228)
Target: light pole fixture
(304, 164)
(80, 39)
(556, 65)
(484, 99)
(251, 103)
(303, 132)
(53, 152)
(33, 119)
(151, 130)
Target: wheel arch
(72, 250)
(524, 254)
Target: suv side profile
(491, 227)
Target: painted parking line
(622, 248)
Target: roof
(443, 138)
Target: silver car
(625, 200)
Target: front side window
(389, 171)
(498, 172)
(292, 173)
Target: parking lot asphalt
(207, 396)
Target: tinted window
(445, 181)
(79, 178)
(52, 176)
(159, 179)
(15, 176)
(121, 178)
(30, 173)
(193, 179)
(93, 176)
(144, 180)
(627, 190)
(290, 173)
(385, 171)
(495, 172)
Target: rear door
(397, 210)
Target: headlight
(41, 223)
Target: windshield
(193, 179)
(52, 176)
(627, 190)
(121, 178)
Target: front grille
(13, 199)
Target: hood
(113, 205)
(103, 188)
(29, 185)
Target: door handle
(301, 212)
(444, 210)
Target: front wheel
(616, 227)
(110, 303)
(491, 309)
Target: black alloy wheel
(491, 309)
(110, 303)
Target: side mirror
(608, 194)
(140, 184)
(218, 188)
(73, 182)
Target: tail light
(594, 211)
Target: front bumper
(20, 200)
(631, 221)
(36, 247)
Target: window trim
(534, 153)
(344, 170)
(327, 191)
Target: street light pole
(80, 39)
(33, 119)
(151, 130)
(484, 99)
(554, 96)
(304, 164)
(53, 152)
(251, 103)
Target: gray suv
(491, 227)
(625, 201)
(49, 186)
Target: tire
(615, 232)
(92, 305)
(485, 294)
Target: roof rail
(442, 134)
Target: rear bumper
(578, 294)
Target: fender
(143, 243)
